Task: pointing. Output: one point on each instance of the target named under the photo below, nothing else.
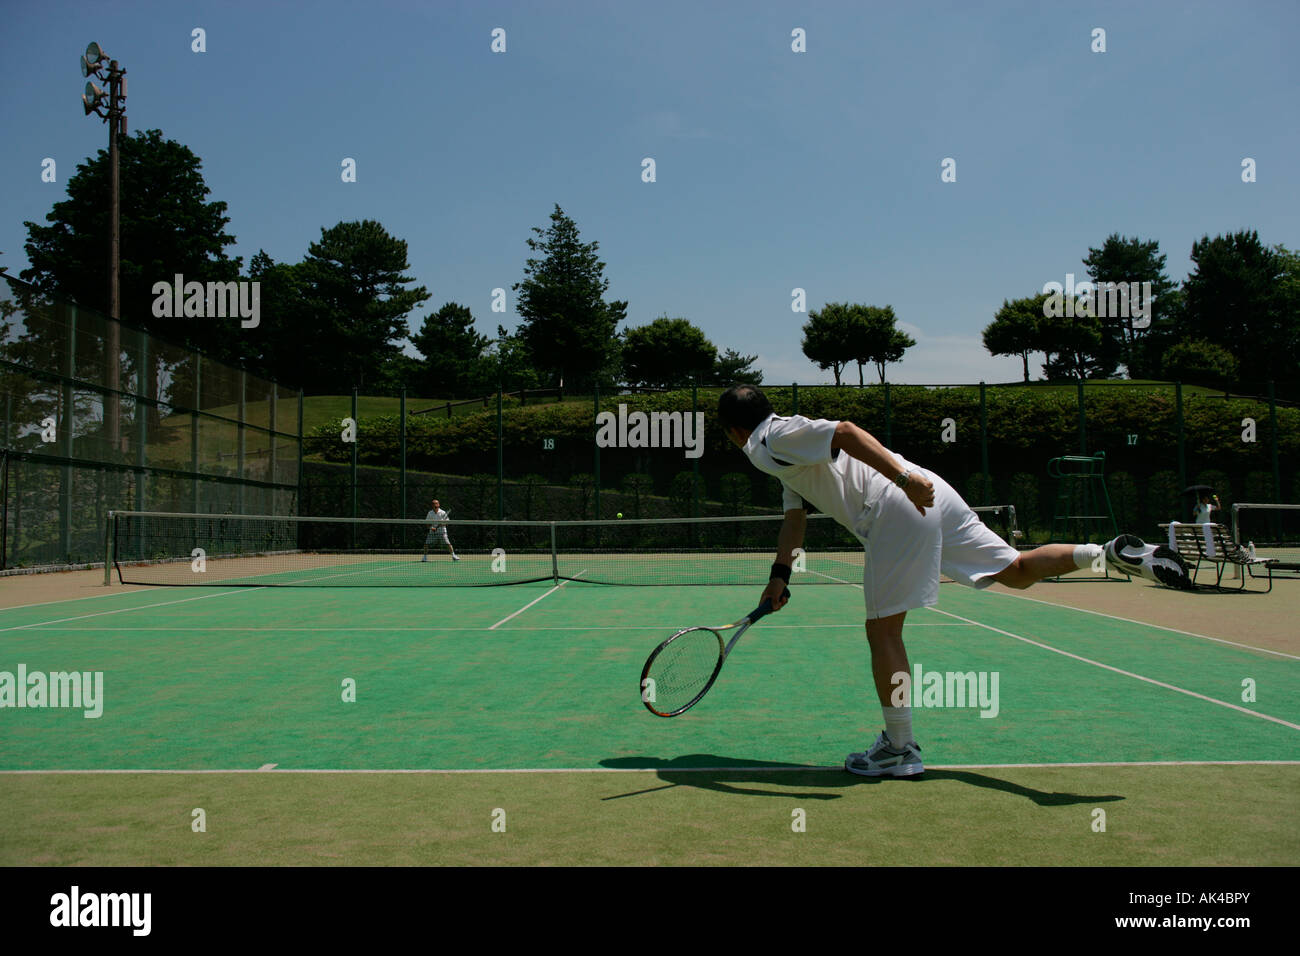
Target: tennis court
(247, 685)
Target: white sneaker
(884, 760)
(1129, 554)
(455, 557)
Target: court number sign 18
(548, 444)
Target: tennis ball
(620, 514)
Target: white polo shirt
(797, 451)
(437, 516)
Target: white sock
(898, 725)
(1085, 555)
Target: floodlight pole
(112, 109)
(113, 344)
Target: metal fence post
(889, 424)
(596, 446)
(1272, 418)
(356, 440)
(1083, 427)
(984, 447)
(401, 482)
(1182, 445)
(695, 462)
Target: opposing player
(913, 527)
(438, 530)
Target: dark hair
(743, 406)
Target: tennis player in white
(913, 527)
(438, 530)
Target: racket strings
(683, 668)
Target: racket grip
(765, 608)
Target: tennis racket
(680, 671)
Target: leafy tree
(874, 338)
(1199, 361)
(453, 364)
(168, 227)
(732, 368)
(354, 291)
(1134, 262)
(516, 367)
(1071, 344)
(826, 335)
(1235, 297)
(276, 343)
(667, 353)
(568, 327)
(1014, 329)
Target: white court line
(535, 600)
(767, 768)
(90, 597)
(427, 628)
(1149, 680)
(1129, 620)
(120, 610)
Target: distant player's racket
(680, 671)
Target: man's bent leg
(1049, 561)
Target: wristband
(781, 571)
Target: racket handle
(765, 608)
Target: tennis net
(156, 548)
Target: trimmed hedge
(1135, 426)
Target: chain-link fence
(98, 416)
(648, 454)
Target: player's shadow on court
(729, 774)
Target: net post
(108, 550)
(555, 559)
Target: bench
(1198, 544)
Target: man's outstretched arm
(863, 446)
(790, 537)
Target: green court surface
(469, 678)
(540, 678)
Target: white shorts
(906, 553)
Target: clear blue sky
(775, 169)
